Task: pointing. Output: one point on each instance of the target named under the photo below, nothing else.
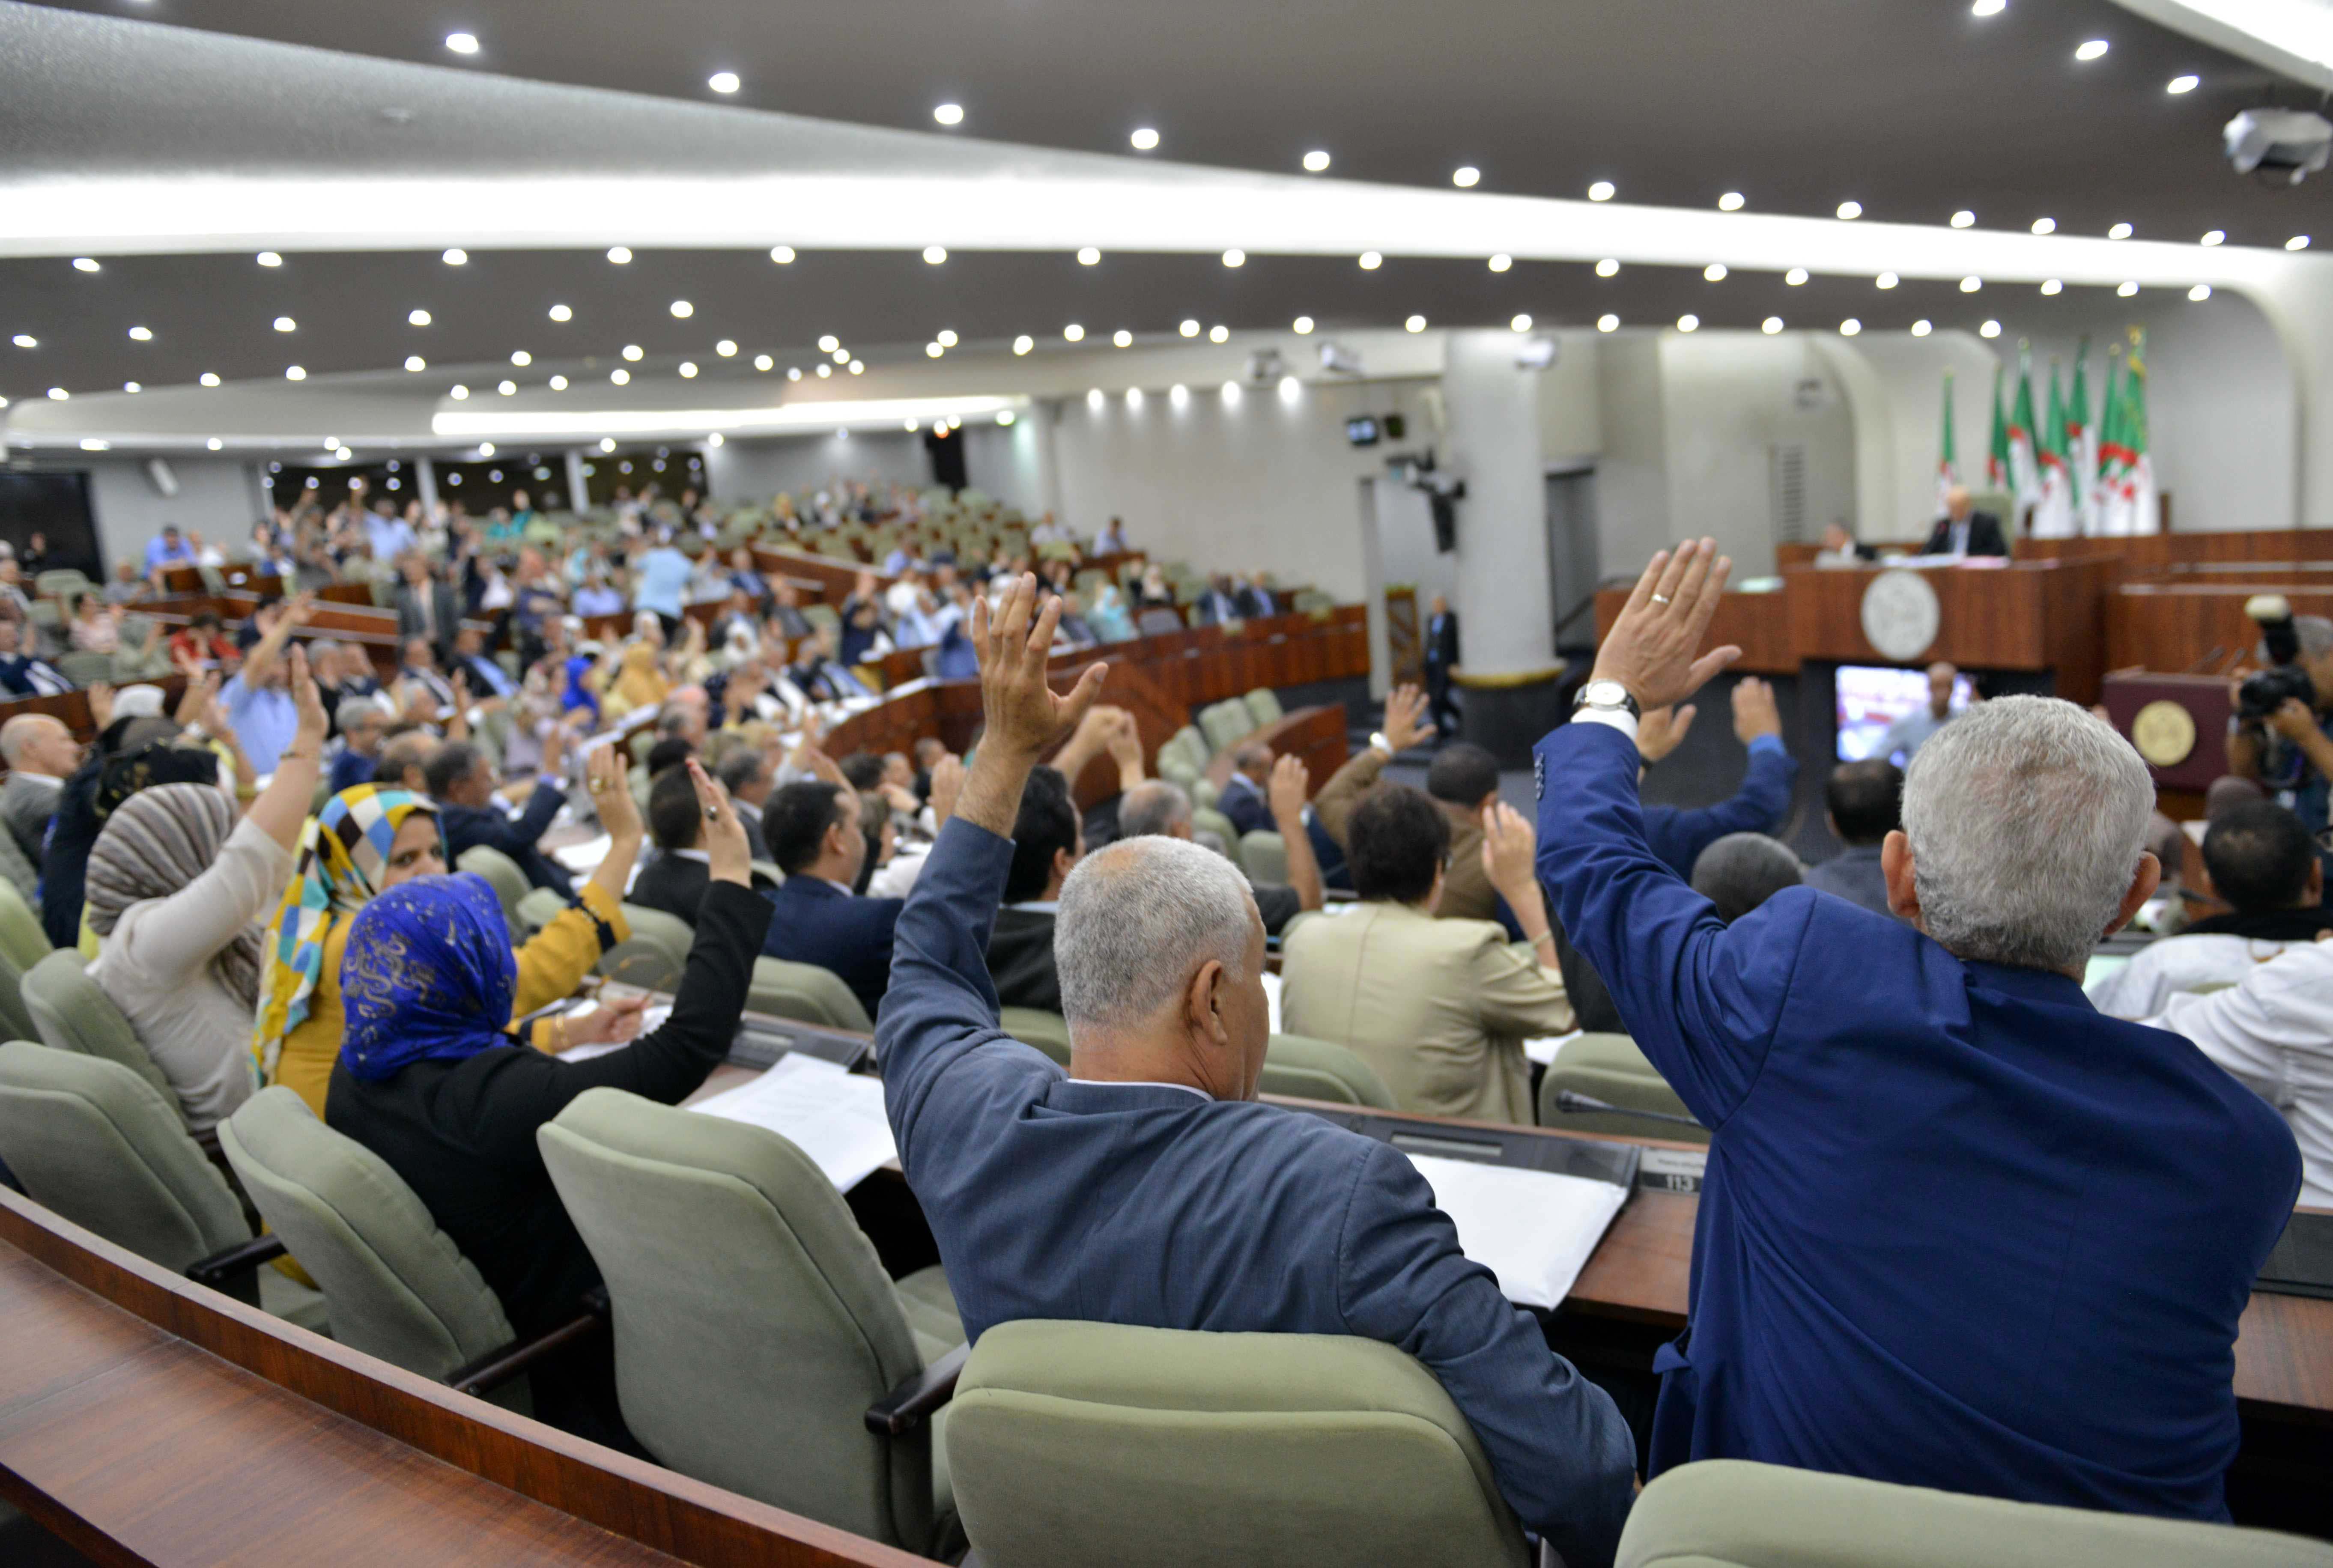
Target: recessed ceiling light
(462, 43)
(1963, 219)
(1301, 326)
(620, 376)
(1714, 272)
(1290, 388)
(417, 317)
(2045, 225)
(1074, 332)
(723, 81)
(1850, 327)
(562, 313)
(828, 344)
(2091, 50)
(141, 334)
(1088, 256)
(1795, 276)
(1232, 394)
(1608, 322)
(1608, 267)
(946, 338)
(715, 439)
(1771, 325)
(2127, 289)
(1885, 280)
(842, 356)
(1023, 343)
(1987, 7)
(1144, 140)
(1219, 333)
(521, 357)
(858, 366)
(1850, 211)
(764, 363)
(95, 443)
(131, 387)
(2215, 236)
(210, 378)
(558, 383)
(2053, 285)
(682, 310)
(1465, 177)
(59, 394)
(620, 255)
(2297, 242)
(269, 259)
(286, 324)
(2119, 231)
(1094, 397)
(1188, 328)
(486, 449)
(85, 263)
(1122, 338)
(26, 341)
(1178, 394)
(688, 369)
(2183, 84)
(1601, 191)
(1989, 329)
(1004, 415)
(949, 114)
(2200, 292)
(1372, 261)
(1235, 258)
(415, 362)
(607, 443)
(506, 388)
(1688, 323)
(1521, 323)
(294, 373)
(727, 347)
(456, 257)
(1921, 328)
(1134, 396)
(1971, 285)
(782, 254)
(935, 254)
(1316, 161)
(216, 445)
(633, 351)
(1502, 261)
(459, 392)
(1415, 324)
(1731, 202)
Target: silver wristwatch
(1610, 695)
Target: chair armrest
(905, 1407)
(221, 1268)
(497, 1367)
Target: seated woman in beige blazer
(1439, 1008)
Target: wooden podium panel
(2178, 625)
(2037, 616)
(2205, 698)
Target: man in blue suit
(1678, 834)
(813, 830)
(1146, 1186)
(1958, 1229)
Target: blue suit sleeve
(1701, 999)
(541, 807)
(1564, 1457)
(1679, 837)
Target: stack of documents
(833, 1116)
(584, 858)
(1532, 1228)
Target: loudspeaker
(164, 480)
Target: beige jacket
(1467, 891)
(1439, 1008)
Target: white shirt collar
(1038, 905)
(701, 856)
(1140, 1083)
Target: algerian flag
(1948, 471)
(2053, 518)
(1996, 459)
(2082, 442)
(2138, 480)
(2113, 517)
(2024, 467)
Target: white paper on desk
(651, 1020)
(1532, 1228)
(584, 856)
(833, 1116)
(1543, 1051)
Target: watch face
(1605, 693)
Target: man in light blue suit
(1958, 1229)
(1146, 1186)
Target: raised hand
(1650, 648)
(1508, 845)
(725, 831)
(1755, 713)
(308, 701)
(1290, 788)
(1025, 715)
(1663, 730)
(1405, 709)
(947, 784)
(611, 792)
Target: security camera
(1265, 366)
(2288, 141)
(1336, 359)
(1539, 353)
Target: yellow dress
(550, 966)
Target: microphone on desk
(1582, 1105)
(2217, 649)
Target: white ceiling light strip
(2293, 37)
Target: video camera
(2265, 691)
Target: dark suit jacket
(1442, 639)
(1678, 834)
(756, 846)
(1958, 1229)
(1985, 537)
(469, 825)
(444, 606)
(673, 884)
(1244, 804)
(818, 922)
(1152, 1205)
(1020, 959)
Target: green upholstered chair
(395, 1286)
(655, 953)
(71, 1014)
(1191, 742)
(754, 1325)
(1732, 1514)
(539, 908)
(1083, 1443)
(1207, 819)
(808, 993)
(1311, 1069)
(81, 666)
(1263, 854)
(1048, 1032)
(1225, 723)
(1263, 706)
(1203, 793)
(23, 944)
(1609, 1067)
(61, 582)
(510, 883)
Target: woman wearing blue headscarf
(429, 1079)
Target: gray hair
(1155, 806)
(349, 711)
(1741, 871)
(2027, 816)
(1137, 919)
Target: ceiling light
(935, 254)
(723, 81)
(621, 377)
(1232, 394)
(210, 378)
(1134, 396)
(1372, 261)
(620, 255)
(727, 347)
(1607, 268)
(715, 439)
(269, 259)
(294, 373)
(1601, 191)
(1771, 325)
(2127, 289)
(2200, 292)
(1074, 332)
(911, 425)
(782, 254)
(1987, 7)
(1235, 258)
(1315, 161)
(823, 372)
(1178, 394)
(1921, 328)
(1465, 177)
(2183, 84)
(2092, 50)
(141, 334)
(1989, 329)
(764, 363)
(456, 257)
(2053, 285)
(1885, 280)
(558, 383)
(131, 387)
(562, 313)
(2215, 236)
(418, 317)
(59, 394)
(1850, 210)
(1122, 338)
(2119, 231)
(1502, 261)
(1302, 325)
(688, 369)
(682, 310)
(1971, 285)
(26, 341)
(486, 449)
(506, 388)
(92, 444)
(1094, 399)
(459, 392)
(286, 324)
(1023, 343)
(1521, 323)
(1850, 327)
(2297, 242)
(1714, 272)
(1144, 140)
(933, 350)
(1290, 388)
(462, 43)
(633, 352)
(84, 263)
(1795, 276)
(949, 114)
(828, 344)
(2045, 225)
(1189, 329)
(1688, 323)
(1415, 324)
(216, 445)
(840, 356)
(1608, 322)
(1731, 202)
(1219, 333)
(1088, 256)
(1963, 219)
(415, 362)
(607, 443)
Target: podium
(2179, 723)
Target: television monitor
(1871, 697)
(1362, 430)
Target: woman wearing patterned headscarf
(367, 840)
(428, 1080)
(174, 891)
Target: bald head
(1957, 502)
(37, 743)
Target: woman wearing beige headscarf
(638, 682)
